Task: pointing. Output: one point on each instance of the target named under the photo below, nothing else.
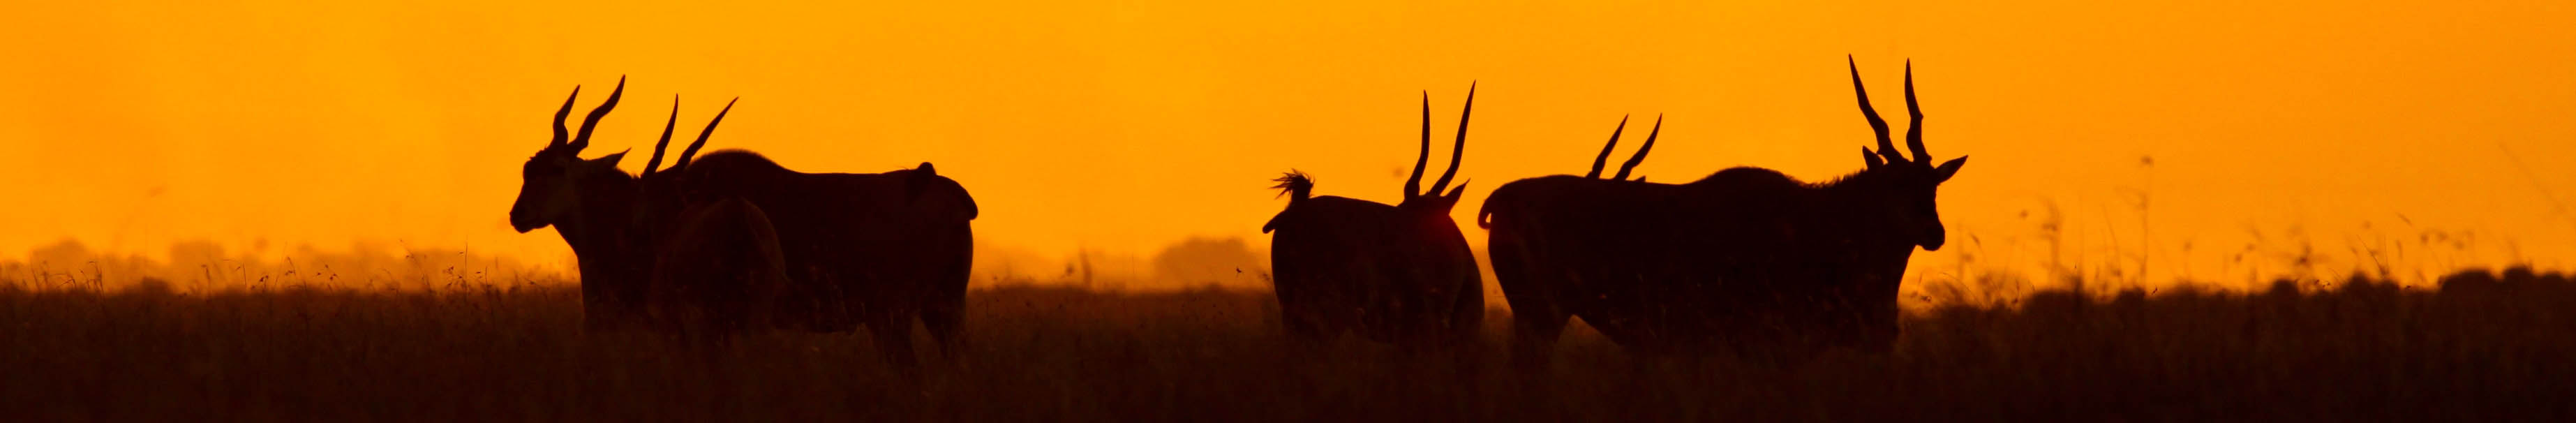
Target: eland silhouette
(593, 205)
(1746, 259)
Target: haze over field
(2218, 141)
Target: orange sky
(1123, 126)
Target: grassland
(2483, 347)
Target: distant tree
(1204, 261)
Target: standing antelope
(890, 247)
(623, 231)
(594, 206)
(1746, 253)
(1400, 273)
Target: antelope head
(1906, 186)
(1434, 201)
(551, 182)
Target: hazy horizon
(2218, 142)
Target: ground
(2485, 346)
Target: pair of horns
(692, 151)
(1913, 130)
(1413, 185)
(1633, 160)
(588, 123)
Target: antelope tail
(1296, 185)
(917, 181)
(1485, 214)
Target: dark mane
(1866, 179)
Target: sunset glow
(2212, 141)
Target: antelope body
(876, 249)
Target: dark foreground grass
(2485, 347)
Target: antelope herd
(1746, 260)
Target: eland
(1746, 259)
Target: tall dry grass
(2482, 347)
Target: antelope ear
(1871, 158)
(926, 169)
(1949, 168)
(611, 159)
(1455, 191)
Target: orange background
(2209, 140)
